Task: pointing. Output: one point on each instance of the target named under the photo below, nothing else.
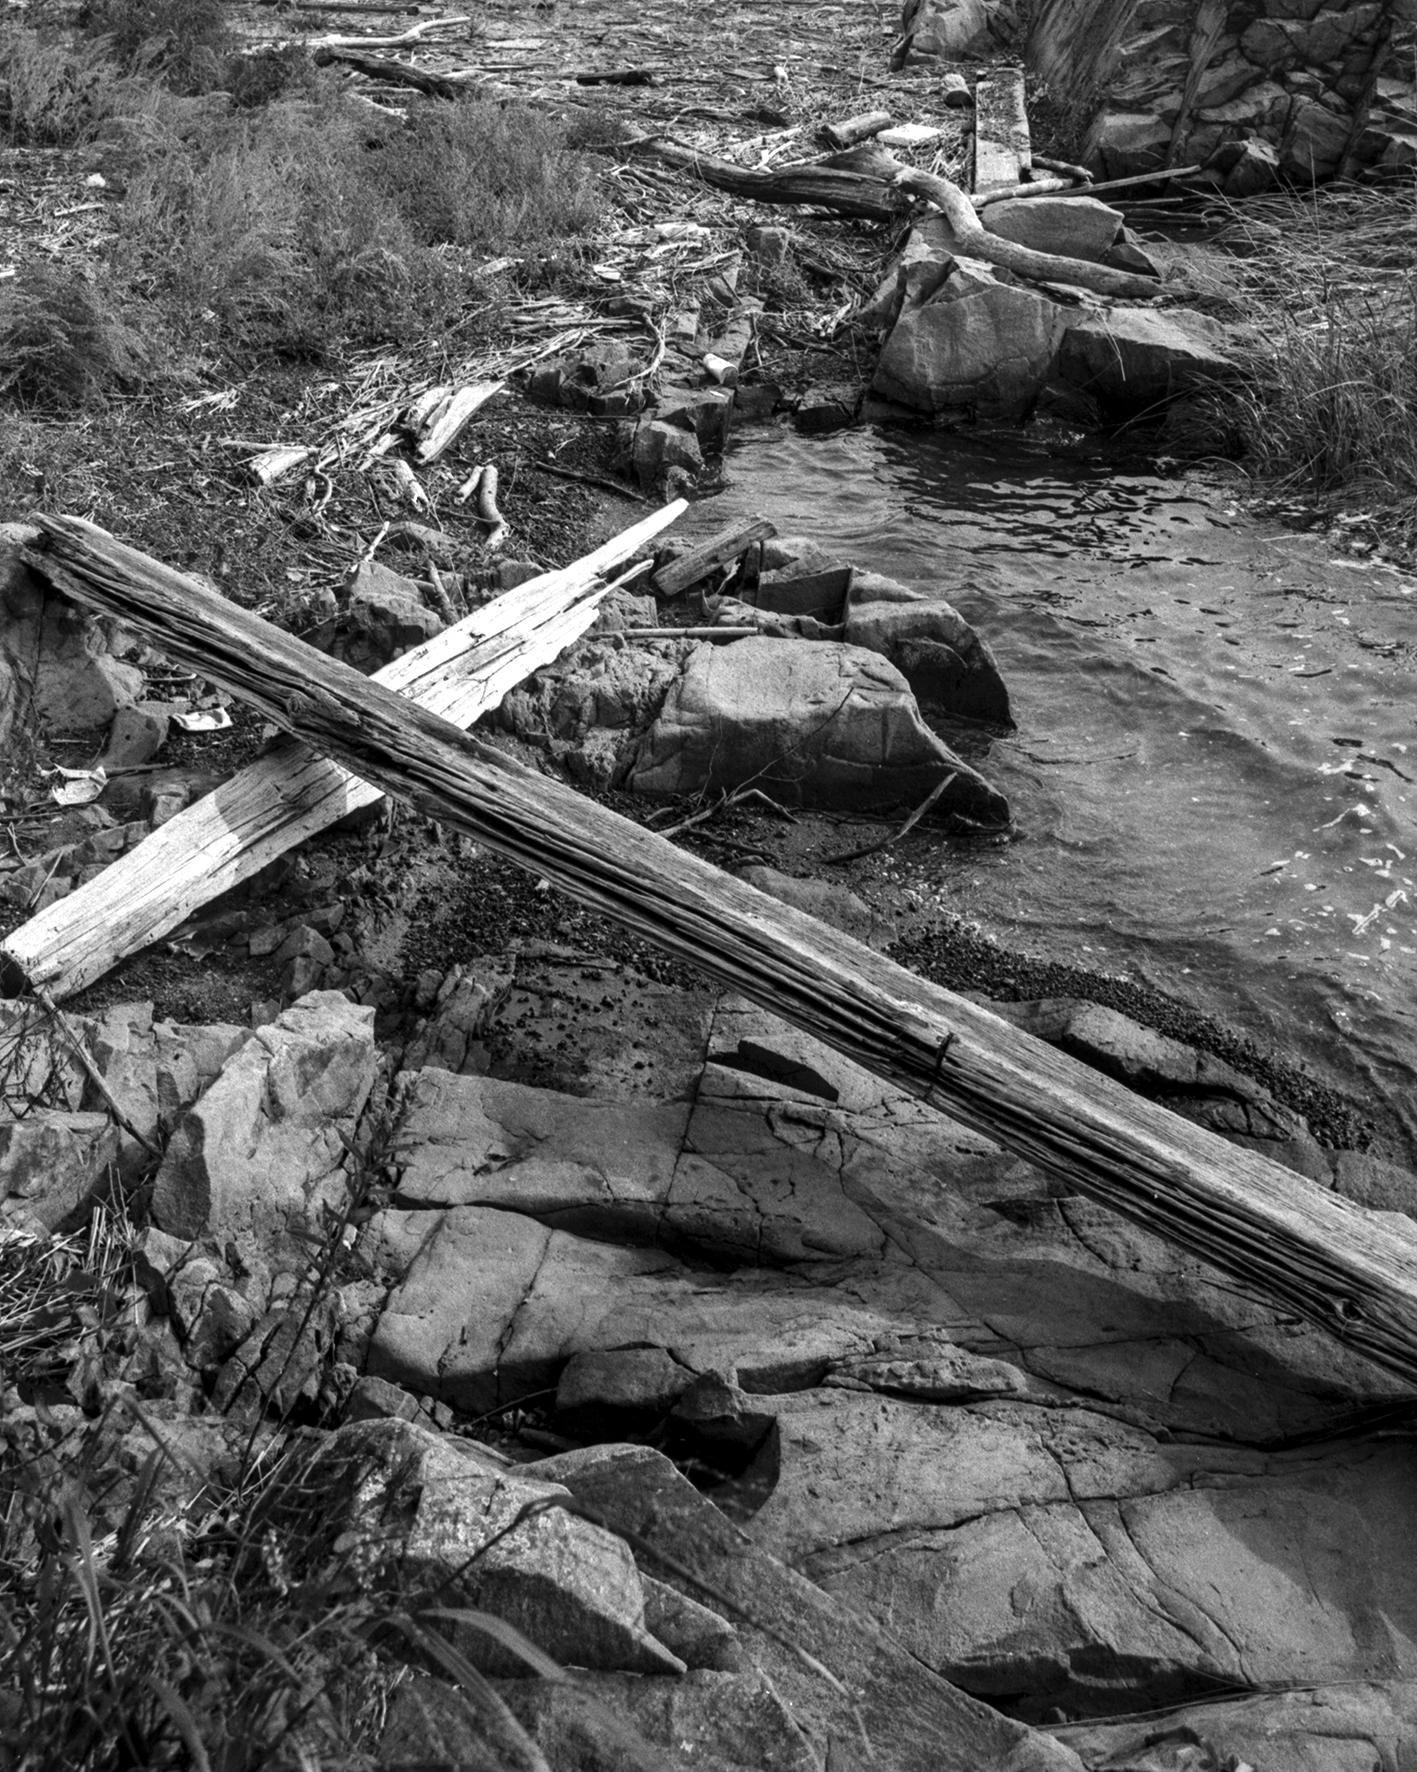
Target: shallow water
(1215, 764)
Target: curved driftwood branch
(1039, 267)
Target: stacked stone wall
(1260, 90)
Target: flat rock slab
(810, 723)
(1071, 1555)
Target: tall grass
(175, 1593)
(56, 93)
(63, 342)
(1330, 283)
(185, 43)
(273, 215)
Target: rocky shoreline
(808, 1428)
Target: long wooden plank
(1276, 1233)
(291, 795)
(1002, 148)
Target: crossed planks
(289, 795)
(1277, 1233)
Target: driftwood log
(867, 198)
(975, 240)
(1276, 1233)
(291, 794)
(873, 188)
(389, 72)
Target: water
(1216, 757)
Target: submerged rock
(811, 723)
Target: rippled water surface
(1216, 757)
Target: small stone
(161, 805)
(305, 942)
(770, 245)
(136, 736)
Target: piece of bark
(393, 73)
(819, 187)
(1280, 1236)
(280, 800)
(1001, 140)
(857, 129)
(679, 575)
(975, 240)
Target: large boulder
(811, 723)
(589, 707)
(1133, 360)
(976, 344)
(266, 1146)
(843, 1674)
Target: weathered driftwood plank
(290, 795)
(1002, 148)
(679, 575)
(1275, 1232)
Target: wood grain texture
(291, 794)
(1278, 1235)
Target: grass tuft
(1327, 280)
(184, 43)
(62, 343)
(55, 94)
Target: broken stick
(290, 795)
(1278, 1234)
